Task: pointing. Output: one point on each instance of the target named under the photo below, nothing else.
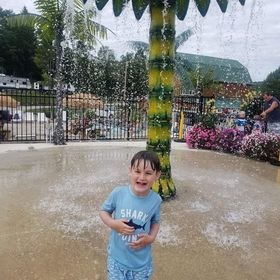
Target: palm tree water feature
(223, 228)
(161, 73)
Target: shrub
(230, 140)
(262, 146)
(200, 137)
(210, 118)
(252, 104)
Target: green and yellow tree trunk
(161, 74)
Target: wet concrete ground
(224, 223)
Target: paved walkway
(223, 224)
(38, 146)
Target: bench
(29, 137)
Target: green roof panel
(225, 70)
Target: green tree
(202, 80)
(76, 68)
(56, 23)
(102, 75)
(272, 83)
(107, 73)
(17, 48)
(161, 73)
(135, 73)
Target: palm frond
(202, 6)
(182, 8)
(223, 5)
(118, 6)
(100, 4)
(95, 29)
(79, 5)
(139, 6)
(138, 45)
(48, 8)
(28, 20)
(182, 38)
(87, 30)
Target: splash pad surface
(224, 223)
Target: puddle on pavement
(224, 223)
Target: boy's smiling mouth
(143, 184)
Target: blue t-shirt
(240, 124)
(142, 212)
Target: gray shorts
(273, 127)
(116, 272)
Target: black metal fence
(29, 115)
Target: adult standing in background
(271, 113)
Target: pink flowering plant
(261, 146)
(230, 140)
(200, 137)
(205, 135)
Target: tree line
(23, 54)
(17, 49)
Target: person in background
(258, 125)
(241, 121)
(271, 113)
(133, 213)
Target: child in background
(133, 213)
(258, 124)
(241, 121)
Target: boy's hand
(143, 240)
(121, 227)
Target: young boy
(258, 124)
(241, 122)
(133, 214)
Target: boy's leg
(113, 270)
(144, 274)
(116, 273)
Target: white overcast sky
(249, 34)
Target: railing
(186, 112)
(25, 115)
(29, 115)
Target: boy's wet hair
(147, 156)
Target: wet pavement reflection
(223, 224)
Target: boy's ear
(158, 174)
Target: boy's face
(142, 177)
(241, 115)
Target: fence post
(128, 122)
(181, 126)
(200, 105)
(66, 121)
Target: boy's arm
(144, 238)
(117, 225)
(154, 231)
